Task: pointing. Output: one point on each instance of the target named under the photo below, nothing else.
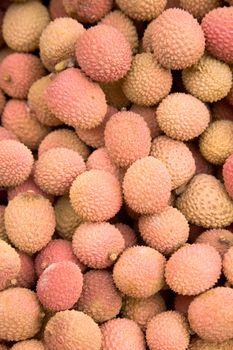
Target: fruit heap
(116, 175)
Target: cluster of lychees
(116, 175)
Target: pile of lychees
(116, 175)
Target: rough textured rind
(216, 143)
(123, 334)
(95, 137)
(64, 138)
(57, 250)
(143, 310)
(147, 186)
(228, 265)
(193, 269)
(100, 304)
(56, 9)
(147, 83)
(206, 203)
(149, 115)
(220, 239)
(99, 159)
(228, 175)
(24, 323)
(66, 219)
(96, 195)
(7, 134)
(182, 116)
(31, 344)
(139, 272)
(209, 80)
(18, 71)
(37, 102)
(127, 138)
(104, 53)
(177, 39)
(168, 330)
(97, 245)
(211, 316)
(200, 344)
(72, 330)
(128, 234)
(87, 11)
(218, 26)
(199, 8)
(165, 232)
(57, 168)
(16, 163)
(3, 234)
(29, 221)
(57, 44)
(147, 36)
(76, 100)
(9, 265)
(59, 286)
(142, 10)
(125, 25)
(17, 118)
(177, 158)
(23, 25)
(27, 276)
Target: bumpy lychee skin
(200, 344)
(99, 159)
(102, 305)
(17, 118)
(27, 275)
(177, 39)
(209, 79)
(143, 310)
(70, 330)
(193, 269)
(18, 72)
(206, 203)
(75, 100)
(182, 116)
(95, 137)
(7, 134)
(57, 250)
(57, 168)
(165, 232)
(220, 239)
(20, 315)
(31, 344)
(121, 333)
(228, 175)
(114, 94)
(127, 138)
(16, 160)
(199, 8)
(142, 10)
(96, 195)
(64, 138)
(217, 26)
(182, 302)
(211, 316)
(87, 11)
(106, 65)
(149, 115)
(168, 330)
(27, 186)
(147, 82)
(216, 143)
(3, 235)
(56, 9)
(139, 272)
(66, 218)
(30, 222)
(228, 265)
(97, 245)
(57, 45)
(147, 186)
(176, 157)
(125, 25)
(147, 37)
(37, 103)
(128, 234)
(10, 265)
(23, 25)
(60, 286)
